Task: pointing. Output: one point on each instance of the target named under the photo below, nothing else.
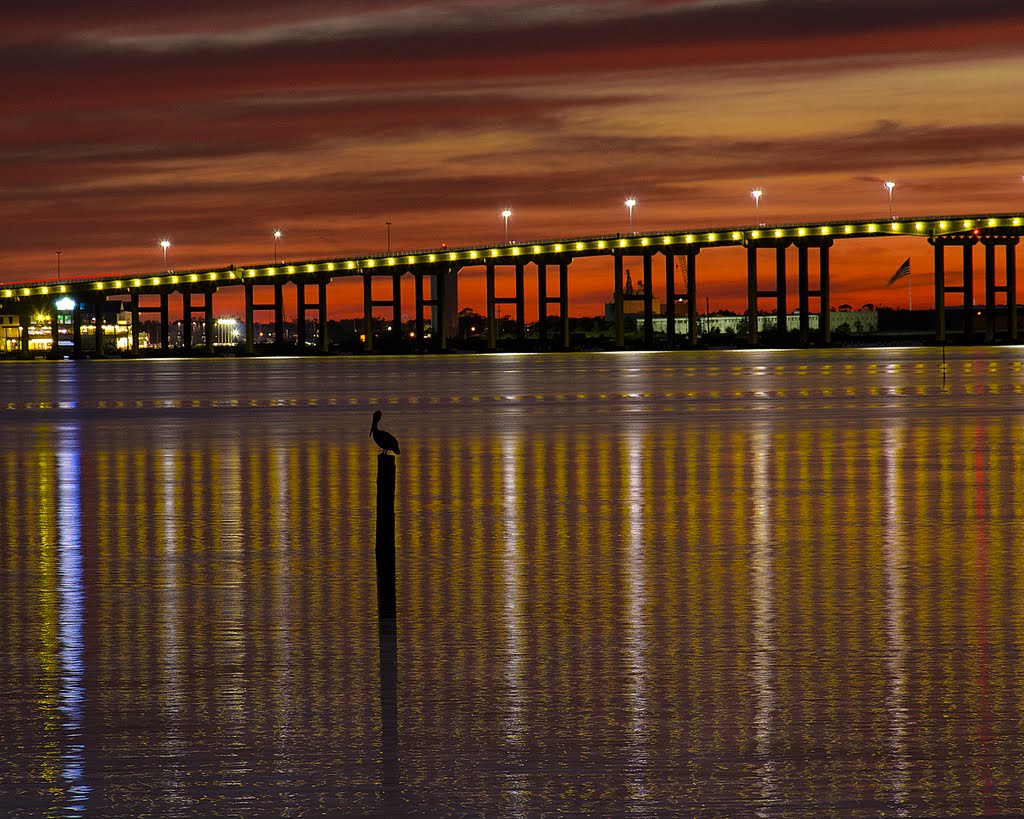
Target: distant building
(859, 322)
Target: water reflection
(71, 619)
(723, 583)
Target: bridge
(435, 272)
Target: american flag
(904, 270)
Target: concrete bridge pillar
(322, 313)
(250, 323)
(368, 312)
(135, 322)
(620, 320)
(165, 322)
(563, 300)
(98, 303)
(209, 330)
(648, 301)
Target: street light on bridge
(890, 185)
(505, 214)
(757, 193)
(165, 243)
(630, 204)
(277, 235)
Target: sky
(214, 123)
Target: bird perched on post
(382, 438)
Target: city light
(757, 193)
(277, 235)
(630, 204)
(890, 185)
(165, 243)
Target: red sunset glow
(215, 123)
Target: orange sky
(213, 123)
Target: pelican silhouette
(382, 438)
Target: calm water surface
(745, 583)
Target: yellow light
(473, 254)
(754, 234)
(602, 245)
(494, 251)
(231, 275)
(213, 277)
(918, 226)
(801, 232)
(558, 248)
(515, 251)
(330, 265)
(968, 223)
(896, 227)
(536, 248)
(943, 225)
(45, 291)
(291, 269)
(622, 242)
(645, 241)
(579, 245)
(712, 237)
(689, 239)
(310, 268)
(825, 230)
(432, 257)
(174, 279)
(8, 294)
(872, 228)
(1016, 221)
(136, 283)
(666, 240)
(992, 223)
(193, 278)
(99, 286)
(368, 263)
(736, 234)
(849, 228)
(778, 234)
(154, 280)
(452, 256)
(350, 265)
(411, 259)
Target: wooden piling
(385, 545)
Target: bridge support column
(440, 298)
(966, 289)
(563, 300)
(620, 321)
(806, 293)
(165, 321)
(648, 302)
(368, 312)
(521, 301)
(278, 316)
(420, 322)
(209, 330)
(670, 298)
(990, 291)
(939, 268)
(968, 251)
(824, 295)
(492, 322)
(542, 305)
(752, 294)
(691, 293)
(322, 314)
(186, 321)
(300, 313)
(250, 323)
(1011, 286)
(135, 322)
(780, 289)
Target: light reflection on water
(768, 583)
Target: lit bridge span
(436, 276)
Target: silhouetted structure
(382, 438)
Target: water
(742, 583)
